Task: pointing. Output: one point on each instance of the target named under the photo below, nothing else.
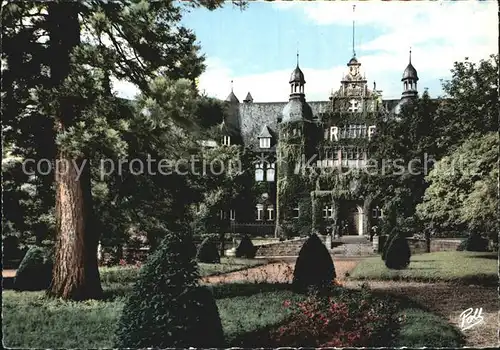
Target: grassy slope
(466, 267)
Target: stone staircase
(353, 246)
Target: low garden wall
(284, 248)
(418, 245)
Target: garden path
(278, 272)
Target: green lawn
(421, 329)
(32, 321)
(462, 267)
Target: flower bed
(339, 319)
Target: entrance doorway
(351, 218)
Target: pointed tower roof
(297, 76)
(232, 97)
(249, 98)
(265, 132)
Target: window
(327, 212)
(351, 131)
(376, 212)
(363, 131)
(232, 215)
(371, 131)
(265, 142)
(270, 173)
(260, 212)
(358, 131)
(226, 140)
(270, 213)
(259, 172)
(223, 214)
(350, 154)
(296, 212)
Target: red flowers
(325, 322)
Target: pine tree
(60, 59)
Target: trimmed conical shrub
(246, 249)
(314, 267)
(208, 252)
(398, 254)
(387, 244)
(167, 308)
(35, 270)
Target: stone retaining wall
(418, 246)
(284, 248)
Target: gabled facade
(309, 154)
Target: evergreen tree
(60, 57)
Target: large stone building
(312, 154)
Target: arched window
(270, 172)
(259, 172)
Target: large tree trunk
(75, 275)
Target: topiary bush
(398, 254)
(167, 308)
(246, 249)
(387, 243)
(208, 252)
(35, 270)
(314, 267)
(474, 243)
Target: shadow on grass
(8, 283)
(229, 290)
(488, 256)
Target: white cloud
(439, 33)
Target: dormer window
(265, 142)
(226, 140)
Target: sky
(257, 48)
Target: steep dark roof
(232, 98)
(297, 76)
(254, 115)
(295, 110)
(265, 132)
(249, 98)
